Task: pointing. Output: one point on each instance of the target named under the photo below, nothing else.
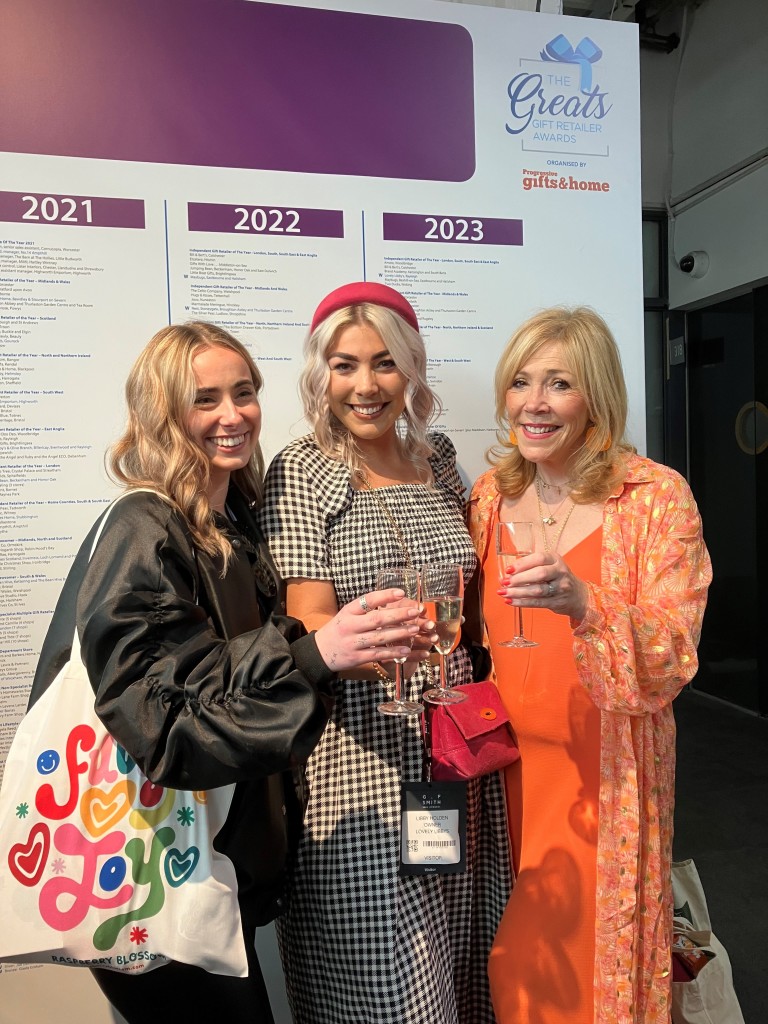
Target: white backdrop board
(234, 161)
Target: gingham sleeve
(301, 490)
(444, 467)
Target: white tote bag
(709, 997)
(99, 867)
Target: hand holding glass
(406, 580)
(513, 541)
(442, 591)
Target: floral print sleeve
(636, 647)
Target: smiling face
(546, 410)
(366, 391)
(225, 419)
(48, 762)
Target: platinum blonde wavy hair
(406, 347)
(599, 466)
(156, 450)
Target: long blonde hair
(599, 466)
(406, 347)
(156, 450)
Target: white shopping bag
(709, 997)
(99, 867)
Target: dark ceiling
(653, 17)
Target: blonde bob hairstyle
(156, 449)
(406, 349)
(589, 348)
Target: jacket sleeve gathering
(636, 647)
(195, 711)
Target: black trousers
(167, 991)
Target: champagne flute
(442, 591)
(513, 541)
(408, 581)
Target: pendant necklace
(550, 518)
(550, 521)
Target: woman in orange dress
(613, 596)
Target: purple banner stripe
(71, 211)
(233, 83)
(453, 228)
(266, 220)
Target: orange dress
(634, 650)
(542, 962)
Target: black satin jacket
(196, 677)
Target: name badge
(433, 828)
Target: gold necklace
(554, 487)
(549, 519)
(544, 522)
(388, 513)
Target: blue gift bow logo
(585, 55)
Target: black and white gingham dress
(360, 944)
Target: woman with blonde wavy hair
(371, 488)
(613, 597)
(196, 673)
(406, 349)
(156, 449)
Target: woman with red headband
(368, 489)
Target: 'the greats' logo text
(563, 102)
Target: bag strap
(110, 507)
(75, 649)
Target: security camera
(695, 263)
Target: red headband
(364, 291)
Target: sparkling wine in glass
(408, 581)
(513, 541)
(442, 591)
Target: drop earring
(513, 438)
(605, 445)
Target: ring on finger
(550, 588)
(364, 604)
